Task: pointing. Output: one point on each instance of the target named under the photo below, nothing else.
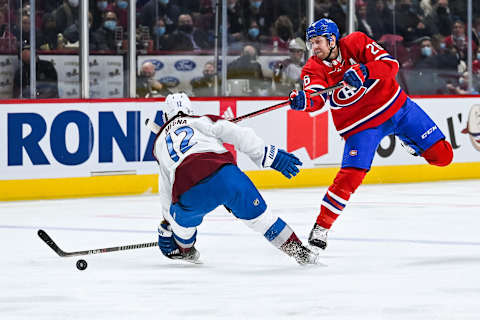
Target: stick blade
(46, 238)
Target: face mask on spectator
(443, 45)
(426, 51)
(256, 4)
(110, 24)
(159, 31)
(73, 3)
(253, 32)
(164, 2)
(122, 4)
(187, 28)
(478, 56)
(102, 5)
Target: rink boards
(78, 148)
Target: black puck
(82, 264)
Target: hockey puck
(82, 264)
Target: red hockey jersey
(354, 110)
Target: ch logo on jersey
(346, 96)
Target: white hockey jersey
(188, 149)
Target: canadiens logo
(347, 96)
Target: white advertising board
(54, 140)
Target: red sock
(440, 154)
(338, 194)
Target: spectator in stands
(66, 15)
(120, 7)
(247, 67)
(261, 11)
(104, 38)
(187, 37)
(159, 36)
(282, 33)
(338, 13)
(147, 85)
(476, 62)
(380, 18)
(458, 39)
(438, 16)
(362, 23)
(409, 21)
(46, 77)
(166, 9)
(321, 9)
(72, 34)
(476, 31)
(462, 86)
(286, 73)
(7, 39)
(235, 19)
(205, 86)
(47, 39)
(428, 55)
(24, 34)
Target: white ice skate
(318, 237)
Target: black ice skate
(302, 254)
(318, 237)
(188, 254)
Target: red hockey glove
(356, 75)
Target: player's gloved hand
(166, 243)
(356, 75)
(281, 160)
(300, 100)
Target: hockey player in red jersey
(369, 107)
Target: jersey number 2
(184, 145)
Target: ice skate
(188, 254)
(299, 252)
(318, 237)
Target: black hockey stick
(46, 238)
(284, 103)
(155, 128)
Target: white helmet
(177, 102)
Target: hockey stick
(155, 128)
(46, 238)
(282, 104)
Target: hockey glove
(356, 75)
(300, 100)
(166, 243)
(281, 160)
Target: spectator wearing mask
(120, 7)
(187, 37)
(104, 37)
(260, 11)
(438, 16)
(247, 67)
(205, 86)
(147, 85)
(462, 86)
(165, 9)
(159, 36)
(362, 23)
(72, 34)
(46, 78)
(410, 22)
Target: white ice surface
(400, 251)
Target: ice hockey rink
(400, 251)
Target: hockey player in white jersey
(197, 174)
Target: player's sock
(333, 203)
(440, 154)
